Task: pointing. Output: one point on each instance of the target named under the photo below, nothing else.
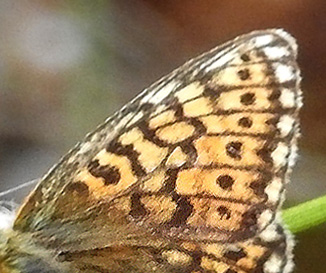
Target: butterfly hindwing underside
(188, 177)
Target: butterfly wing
(200, 158)
(270, 251)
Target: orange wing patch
(198, 107)
(188, 177)
(176, 132)
(230, 150)
(219, 183)
(107, 175)
(250, 123)
(150, 155)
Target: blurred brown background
(67, 65)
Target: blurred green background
(67, 65)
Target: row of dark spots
(246, 122)
(249, 218)
(249, 98)
(226, 182)
(244, 74)
(185, 209)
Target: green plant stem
(305, 215)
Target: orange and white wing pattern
(188, 177)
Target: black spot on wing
(225, 182)
(233, 149)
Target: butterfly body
(188, 177)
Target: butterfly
(188, 177)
